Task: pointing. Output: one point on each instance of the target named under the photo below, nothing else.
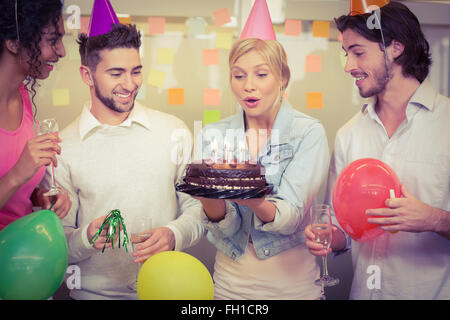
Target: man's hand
(405, 214)
(94, 226)
(161, 239)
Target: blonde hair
(271, 51)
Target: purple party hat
(102, 18)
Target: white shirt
(288, 275)
(412, 265)
(131, 167)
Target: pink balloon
(363, 184)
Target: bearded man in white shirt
(406, 125)
(121, 155)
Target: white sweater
(131, 167)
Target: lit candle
(241, 152)
(228, 152)
(214, 150)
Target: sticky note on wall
(175, 96)
(224, 40)
(211, 97)
(125, 19)
(314, 100)
(321, 29)
(156, 78)
(61, 97)
(156, 25)
(293, 27)
(84, 24)
(221, 16)
(165, 56)
(210, 116)
(313, 63)
(210, 57)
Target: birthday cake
(226, 176)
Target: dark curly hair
(120, 36)
(32, 17)
(400, 24)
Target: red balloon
(363, 184)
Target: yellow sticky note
(314, 100)
(61, 97)
(156, 25)
(313, 63)
(165, 56)
(211, 97)
(293, 27)
(321, 29)
(224, 40)
(210, 116)
(156, 78)
(175, 96)
(210, 57)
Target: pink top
(11, 147)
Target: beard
(109, 102)
(381, 77)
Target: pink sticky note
(222, 16)
(156, 25)
(84, 24)
(211, 97)
(313, 63)
(210, 57)
(340, 37)
(293, 27)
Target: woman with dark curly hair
(30, 44)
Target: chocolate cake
(226, 176)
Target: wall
(340, 97)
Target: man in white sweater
(121, 155)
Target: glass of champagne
(321, 226)
(140, 230)
(50, 126)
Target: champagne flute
(50, 126)
(140, 230)
(321, 226)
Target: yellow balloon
(174, 275)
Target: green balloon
(33, 257)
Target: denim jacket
(296, 159)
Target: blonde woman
(261, 246)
